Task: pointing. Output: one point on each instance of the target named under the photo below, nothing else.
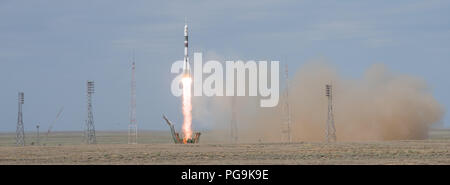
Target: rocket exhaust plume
(187, 108)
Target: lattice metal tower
(132, 127)
(331, 131)
(233, 122)
(37, 135)
(286, 127)
(20, 133)
(89, 132)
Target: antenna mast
(286, 130)
(132, 127)
(37, 135)
(233, 122)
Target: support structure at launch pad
(176, 135)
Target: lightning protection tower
(331, 131)
(132, 127)
(20, 134)
(89, 132)
(286, 128)
(37, 135)
(233, 122)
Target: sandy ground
(431, 151)
(67, 148)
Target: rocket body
(186, 65)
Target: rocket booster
(186, 66)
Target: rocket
(186, 66)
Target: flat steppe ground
(156, 148)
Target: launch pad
(176, 135)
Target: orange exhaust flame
(187, 108)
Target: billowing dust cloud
(380, 105)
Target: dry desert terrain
(156, 148)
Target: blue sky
(49, 48)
